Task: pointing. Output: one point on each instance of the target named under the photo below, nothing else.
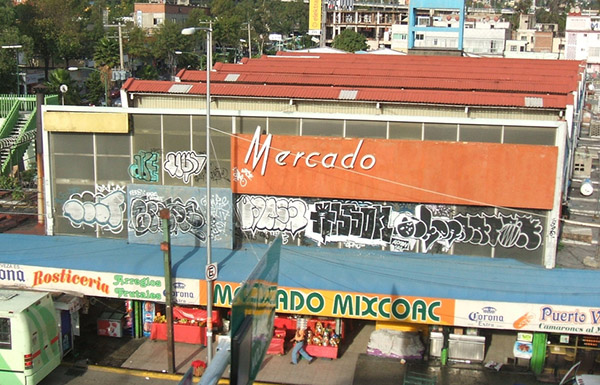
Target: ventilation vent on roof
(180, 88)
(232, 77)
(348, 94)
(534, 102)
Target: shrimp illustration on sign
(242, 176)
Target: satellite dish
(586, 188)
(63, 88)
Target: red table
(191, 334)
(277, 346)
(322, 351)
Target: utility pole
(121, 61)
(165, 246)
(249, 43)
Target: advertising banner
(528, 317)
(100, 284)
(430, 171)
(314, 18)
(326, 303)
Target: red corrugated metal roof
(363, 94)
(519, 84)
(403, 79)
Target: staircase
(9, 144)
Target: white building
(583, 39)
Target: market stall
(189, 325)
(284, 328)
(322, 339)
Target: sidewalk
(353, 366)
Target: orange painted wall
(459, 173)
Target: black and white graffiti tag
(271, 214)
(186, 217)
(333, 221)
(104, 208)
(366, 223)
(184, 164)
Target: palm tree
(107, 53)
(60, 77)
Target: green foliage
(350, 41)
(552, 17)
(62, 76)
(148, 72)
(12, 184)
(94, 85)
(107, 53)
(29, 177)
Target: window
(435, 41)
(493, 46)
(513, 48)
(157, 21)
(5, 340)
(365, 129)
(440, 131)
(420, 36)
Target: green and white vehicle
(29, 337)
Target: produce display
(161, 318)
(322, 336)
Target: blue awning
(347, 270)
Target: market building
(420, 193)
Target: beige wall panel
(104, 122)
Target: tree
(94, 86)
(107, 53)
(9, 35)
(138, 47)
(168, 39)
(54, 27)
(350, 41)
(59, 77)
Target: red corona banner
(479, 174)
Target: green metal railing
(10, 107)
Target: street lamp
(16, 48)
(209, 294)
(102, 74)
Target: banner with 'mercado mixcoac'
(394, 170)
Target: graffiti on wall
(184, 164)
(145, 166)
(186, 217)
(105, 208)
(359, 224)
(187, 206)
(516, 230)
(286, 216)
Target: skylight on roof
(348, 94)
(534, 102)
(180, 88)
(232, 77)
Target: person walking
(298, 339)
